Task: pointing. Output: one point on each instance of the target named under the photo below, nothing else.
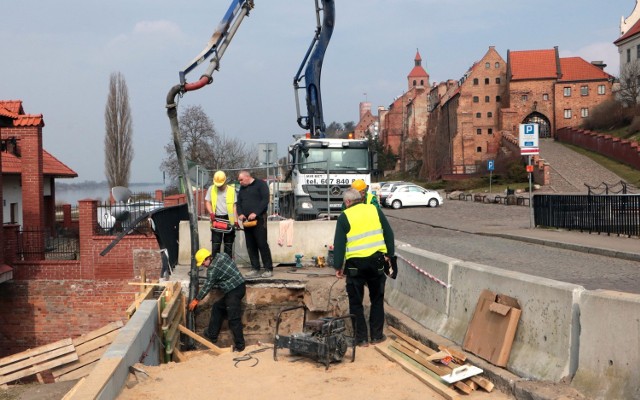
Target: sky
(57, 57)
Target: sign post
(529, 146)
(490, 167)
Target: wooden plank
(96, 381)
(78, 373)
(73, 389)
(483, 382)
(173, 326)
(178, 356)
(97, 333)
(203, 341)
(83, 360)
(433, 383)
(34, 352)
(439, 371)
(39, 368)
(37, 359)
(458, 355)
(97, 343)
(171, 309)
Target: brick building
(404, 123)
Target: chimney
(600, 64)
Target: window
(498, 80)
(487, 99)
(414, 82)
(524, 97)
(490, 131)
(497, 65)
(421, 82)
(479, 149)
(486, 81)
(628, 55)
(478, 115)
(497, 99)
(478, 131)
(584, 90)
(601, 89)
(476, 99)
(487, 65)
(567, 113)
(475, 81)
(567, 92)
(638, 51)
(489, 114)
(545, 97)
(584, 112)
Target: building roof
(51, 166)
(533, 64)
(418, 71)
(13, 109)
(635, 29)
(578, 69)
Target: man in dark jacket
(252, 205)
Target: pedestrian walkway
(570, 171)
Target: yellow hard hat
(219, 178)
(202, 255)
(359, 185)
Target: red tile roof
(13, 109)
(29, 120)
(635, 29)
(14, 106)
(533, 64)
(577, 69)
(50, 166)
(418, 71)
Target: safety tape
(425, 273)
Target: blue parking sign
(490, 165)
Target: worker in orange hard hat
(220, 203)
(223, 274)
(367, 198)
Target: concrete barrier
(310, 238)
(136, 341)
(609, 345)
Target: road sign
(528, 135)
(529, 168)
(529, 151)
(490, 165)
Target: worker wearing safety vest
(363, 238)
(220, 203)
(367, 198)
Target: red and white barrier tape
(425, 273)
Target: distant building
(629, 46)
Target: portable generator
(323, 339)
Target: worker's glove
(391, 267)
(193, 304)
(212, 216)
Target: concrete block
(310, 238)
(609, 343)
(416, 294)
(546, 342)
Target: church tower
(418, 77)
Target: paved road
(459, 229)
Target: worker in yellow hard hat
(220, 202)
(367, 198)
(222, 273)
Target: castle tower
(418, 77)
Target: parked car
(413, 195)
(386, 189)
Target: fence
(610, 214)
(39, 244)
(119, 217)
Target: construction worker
(220, 203)
(367, 198)
(222, 273)
(363, 238)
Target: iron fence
(40, 243)
(610, 214)
(120, 217)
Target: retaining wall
(564, 329)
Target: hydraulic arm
(312, 66)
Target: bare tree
(204, 146)
(629, 93)
(118, 133)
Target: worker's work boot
(266, 274)
(255, 273)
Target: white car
(386, 189)
(413, 195)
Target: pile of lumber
(67, 359)
(425, 363)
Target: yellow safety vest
(230, 200)
(369, 198)
(365, 236)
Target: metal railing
(610, 214)
(120, 217)
(40, 244)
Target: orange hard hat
(219, 178)
(359, 185)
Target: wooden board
(433, 383)
(34, 352)
(34, 369)
(203, 341)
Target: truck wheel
(396, 204)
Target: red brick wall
(577, 101)
(625, 151)
(30, 147)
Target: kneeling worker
(363, 238)
(222, 273)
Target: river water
(67, 194)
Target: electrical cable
(249, 356)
